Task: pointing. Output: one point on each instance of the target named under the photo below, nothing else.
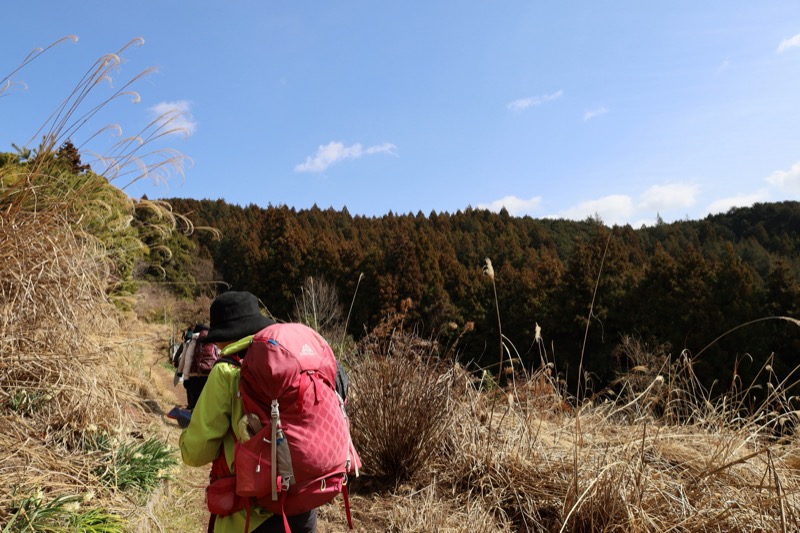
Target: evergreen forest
(577, 294)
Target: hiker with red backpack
(193, 362)
(271, 422)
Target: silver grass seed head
(487, 268)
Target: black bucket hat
(235, 315)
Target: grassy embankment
(81, 447)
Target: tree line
(586, 287)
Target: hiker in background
(179, 359)
(215, 428)
(178, 353)
(195, 359)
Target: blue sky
(624, 109)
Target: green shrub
(26, 403)
(138, 466)
(62, 513)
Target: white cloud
(594, 113)
(514, 206)
(786, 180)
(385, 148)
(532, 101)
(667, 197)
(791, 42)
(334, 151)
(612, 209)
(175, 116)
(742, 200)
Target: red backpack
(205, 355)
(300, 454)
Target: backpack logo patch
(307, 350)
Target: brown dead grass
(609, 466)
(68, 372)
(73, 369)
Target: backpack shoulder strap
(234, 360)
(231, 353)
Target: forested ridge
(669, 288)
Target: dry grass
(64, 380)
(682, 463)
(154, 303)
(72, 386)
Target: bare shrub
(400, 406)
(156, 303)
(642, 370)
(640, 362)
(318, 307)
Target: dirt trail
(180, 504)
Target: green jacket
(209, 431)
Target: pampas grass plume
(488, 269)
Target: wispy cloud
(723, 66)
(533, 101)
(623, 209)
(667, 197)
(741, 200)
(175, 116)
(791, 42)
(612, 209)
(665, 200)
(594, 113)
(786, 180)
(514, 205)
(334, 152)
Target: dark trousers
(194, 386)
(299, 523)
